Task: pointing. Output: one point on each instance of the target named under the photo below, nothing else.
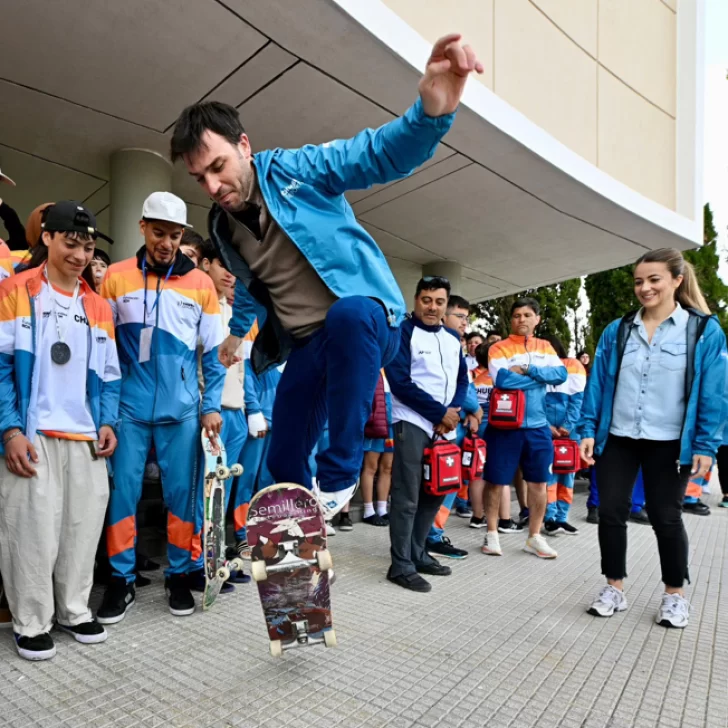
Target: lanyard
(54, 309)
(159, 293)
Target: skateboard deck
(217, 567)
(290, 562)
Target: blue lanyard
(156, 301)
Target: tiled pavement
(502, 642)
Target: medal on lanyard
(60, 350)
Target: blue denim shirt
(650, 400)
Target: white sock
(368, 510)
(382, 508)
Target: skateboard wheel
(258, 570)
(330, 638)
(222, 473)
(236, 564)
(324, 560)
(223, 573)
(276, 648)
(236, 470)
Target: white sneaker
(491, 544)
(609, 601)
(332, 503)
(537, 546)
(674, 611)
(330, 530)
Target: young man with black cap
(314, 278)
(162, 306)
(59, 397)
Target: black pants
(723, 468)
(412, 511)
(665, 487)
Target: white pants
(49, 530)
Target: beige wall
(598, 75)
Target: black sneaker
(478, 522)
(375, 520)
(698, 508)
(567, 528)
(509, 526)
(196, 582)
(89, 633)
(413, 582)
(523, 517)
(119, 598)
(345, 522)
(592, 515)
(552, 528)
(463, 511)
(640, 516)
(445, 548)
(181, 601)
(434, 569)
(40, 647)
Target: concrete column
(406, 274)
(135, 174)
(448, 269)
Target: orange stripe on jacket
(121, 536)
(179, 532)
(240, 516)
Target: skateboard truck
(260, 570)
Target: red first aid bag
(567, 458)
(473, 458)
(441, 467)
(507, 408)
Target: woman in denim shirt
(654, 400)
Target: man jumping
(320, 287)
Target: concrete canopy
(80, 80)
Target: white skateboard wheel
(330, 638)
(222, 473)
(324, 560)
(235, 565)
(223, 573)
(258, 570)
(236, 470)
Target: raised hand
(447, 70)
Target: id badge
(145, 344)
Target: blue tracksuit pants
(255, 477)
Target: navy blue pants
(331, 374)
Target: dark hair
(456, 301)
(193, 239)
(492, 333)
(558, 346)
(209, 251)
(195, 120)
(688, 293)
(102, 255)
(472, 334)
(39, 255)
(432, 283)
(531, 303)
(481, 354)
(581, 353)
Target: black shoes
(593, 515)
(181, 601)
(445, 548)
(345, 522)
(434, 569)
(40, 647)
(640, 516)
(119, 598)
(376, 520)
(196, 582)
(88, 633)
(698, 508)
(413, 582)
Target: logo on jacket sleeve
(290, 189)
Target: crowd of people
(288, 314)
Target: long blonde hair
(688, 293)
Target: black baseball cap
(70, 216)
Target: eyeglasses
(461, 316)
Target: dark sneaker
(140, 580)
(375, 520)
(698, 508)
(478, 522)
(181, 601)
(567, 528)
(196, 582)
(238, 577)
(434, 569)
(463, 511)
(40, 647)
(145, 564)
(640, 516)
(345, 522)
(724, 502)
(119, 598)
(445, 548)
(592, 515)
(523, 517)
(508, 526)
(89, 633)
(413, 582)
(552, 528)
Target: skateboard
(290, 564)
(217, 567)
